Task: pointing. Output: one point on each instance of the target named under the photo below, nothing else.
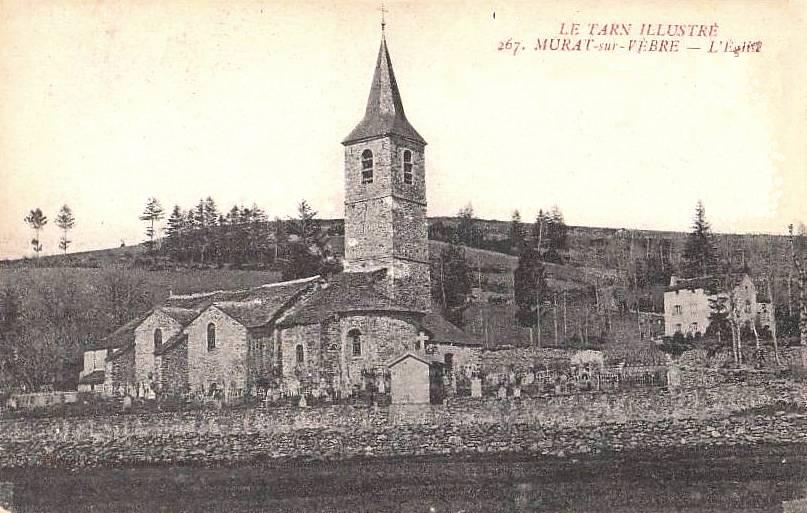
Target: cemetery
(587, 406)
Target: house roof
(442, 331)
(124, 335)
(264, 305)
(96, 377)
(181, 315)
(384, 114)
(121, 351)
(707, 283)
(702, 282)
(200, 301)
(346, 292)
(121, 336)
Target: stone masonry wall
(259, 358)
(383, 338)
(385, 221)
(146, 368)
(174, 373)
(309, 337)
(226, 365)
(520, 359)
(123, 369)
(558, 427)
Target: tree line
(243, 235)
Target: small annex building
(416, 379)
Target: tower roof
(385, 113)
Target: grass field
(755, 480)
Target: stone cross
(422, 339)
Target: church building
(314, 332)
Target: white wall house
(687, 308)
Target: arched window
(407, 167)
(367, 166)
(355, 341)
(300, 353)
(158, 338)
(211, 336)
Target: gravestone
(517, 392)
(127, 402)
(476, 387)
(502, 393)
(673, 377)
(303, 403)
(6, 496)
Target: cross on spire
(383, 21)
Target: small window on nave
(158, 338)
(300, 353)
(407, 167)
(355, 341)
(211, 336)
(367, 167)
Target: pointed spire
(384, 114)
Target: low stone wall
(41, 399)
(579, 424)
(522, 358)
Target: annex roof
(122, 336)
(427, 359)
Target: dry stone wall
(574, 425)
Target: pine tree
(175, 232)
(517, 233)
(801, 281)
(467, 232)
(305, 226)
(556, 236)
(700, 256)
(66, 221)
(451, 281)
(529, 280)
(152, 213)
(719, 322)
(36, 220)
(305, 255)
(539, 233)
(280, 236)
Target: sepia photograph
(445, 256)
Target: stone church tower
(385, 193)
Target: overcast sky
(103, 104)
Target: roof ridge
(198, 295)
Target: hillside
(594, 286)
